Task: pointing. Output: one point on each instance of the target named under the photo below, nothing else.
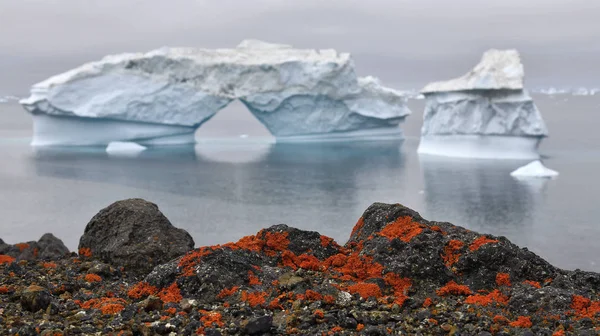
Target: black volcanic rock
(47, 248)
(133, 233)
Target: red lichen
(428, 302)
(500, 319)
(399, 285)
(141, 289)
(85, 252)
(451, 254)
(22, 246)
(454, 288)
(326, 241)
(433, 321)
(107, 306)
(560, 332)
(479, 242)
(49, 265)
(585, 307)
(522, 322)
(253, 279)
(312, 295)
(189, 262)
(93, 278)
(354, 267)
(335, 330)
(503, 279)
(6, 259)
(112, 308)
(365, 290)
(438, 229)
(210, 319)
(4, 289)
(484, 300)
(254, 299)
(403, 228)
(329, 299)
(319, 314)
(358, 226)
(360, 327)
(170, 294)
(277, 241)
(533, 283)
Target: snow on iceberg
(484, 114)
(534, 169)
(164, 95)
(124, 148)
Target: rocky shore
(398, 274)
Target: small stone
(151, 303)
(259, 325)
(35, 298)
(187, 305)
(289, 280)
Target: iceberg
(165, 95)
(486, 113)
(534, 169)
(124, 148)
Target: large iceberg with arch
(163, 96)
(486, 113)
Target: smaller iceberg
(484, 114)
(124, 148)
(534, 169)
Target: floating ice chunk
(534, 169)
(124, 148)
(483, 114)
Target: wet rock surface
(133, 233)
(398, 274)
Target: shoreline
(397, 273)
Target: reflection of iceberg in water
(479, 194)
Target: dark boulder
(47, 248)
(35, 298)
(133, 233)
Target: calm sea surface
(229, 186)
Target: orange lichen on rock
(191, 260)
(329, 299)
(112, 308)
(254, 299)
(560, 332)
(365, 290)
(6, 259)
(503, 279)
(326, 241)
(170, 294)
(400, 286)
(522, 322)
(141, 289)
(484, 300)
(479, 242)
(533, 283)
(455, 289)
(277, 241)
(211, 319)
(437, 229)
(92, 277)
(403, 228)
(585, 307)
(49, 265)
(253, 279)
(22, 246)
(4, 289)
(85, 252)
(360, 327)
(319, 313)
(354, 267)
(335, 330)
(312, 295)
(451, 254)
(107, 306)
(500, 319)
(358, 226)
(428, 302)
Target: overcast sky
(406, 43)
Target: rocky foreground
(136, 274)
